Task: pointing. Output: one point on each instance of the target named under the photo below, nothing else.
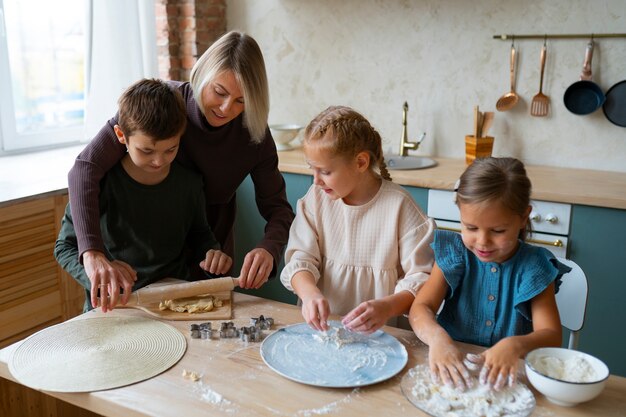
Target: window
(42, 61)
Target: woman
(226, 138)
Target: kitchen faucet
(405, 145)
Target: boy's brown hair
(154, 108)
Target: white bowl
(557, 382)
(285, 133)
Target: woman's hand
(257, 266)
(109, 277)
(368, 316)
(315, 310)
(216, 262)
(446, 363)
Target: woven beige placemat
(96, 354)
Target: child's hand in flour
(499, 364)
(446, 364)
(315, 310)
(367, 317)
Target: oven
(550, 221)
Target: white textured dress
(360, 253)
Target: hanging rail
(505, 37)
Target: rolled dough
(200, 304)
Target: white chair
(571, 301)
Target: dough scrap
(199, 304)
(194, 376)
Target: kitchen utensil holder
(477, 148)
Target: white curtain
(121, 49)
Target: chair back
(571, 300)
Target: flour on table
(199, 304)
(573, 369)
(217, 400)
(441, 400)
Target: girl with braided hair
(359, 245)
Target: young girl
(359, 245)
(498, 290)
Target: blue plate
(305, 355)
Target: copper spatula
(541, 103)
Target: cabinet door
(598, 246)
(420, 195)
(249, 228)
(31, 294)
(72, 293)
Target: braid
(352, 133)
(384, 172)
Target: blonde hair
(503, 180)
(239, 53)
(345, 132)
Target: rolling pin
(145, 296)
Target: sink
(397, 162)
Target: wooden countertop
(37, 174)
(565, 185)
(236, 381)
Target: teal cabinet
(420, 195)
(249, 227)
(598, 246)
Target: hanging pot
(584, 96)
(615, 105)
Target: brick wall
(185, 29)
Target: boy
(151, 207)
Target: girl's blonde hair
(239, 53)
(503, 180)
(345, 133)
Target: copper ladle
(509, 100)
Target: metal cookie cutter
(228, 330)
(201, 331)
(245, 334)
(251, 334)
(205, 330)
(265, 323)
(195, 331)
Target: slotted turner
(541, 103)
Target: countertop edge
(605, 189)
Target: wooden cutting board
(219, 313)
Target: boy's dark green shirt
(147, 226)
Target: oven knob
(534, 216)
(551, 218)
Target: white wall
(439, 56)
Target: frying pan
(584, 96)
(615, 105)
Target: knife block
(477, 148)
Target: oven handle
(557, 242)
